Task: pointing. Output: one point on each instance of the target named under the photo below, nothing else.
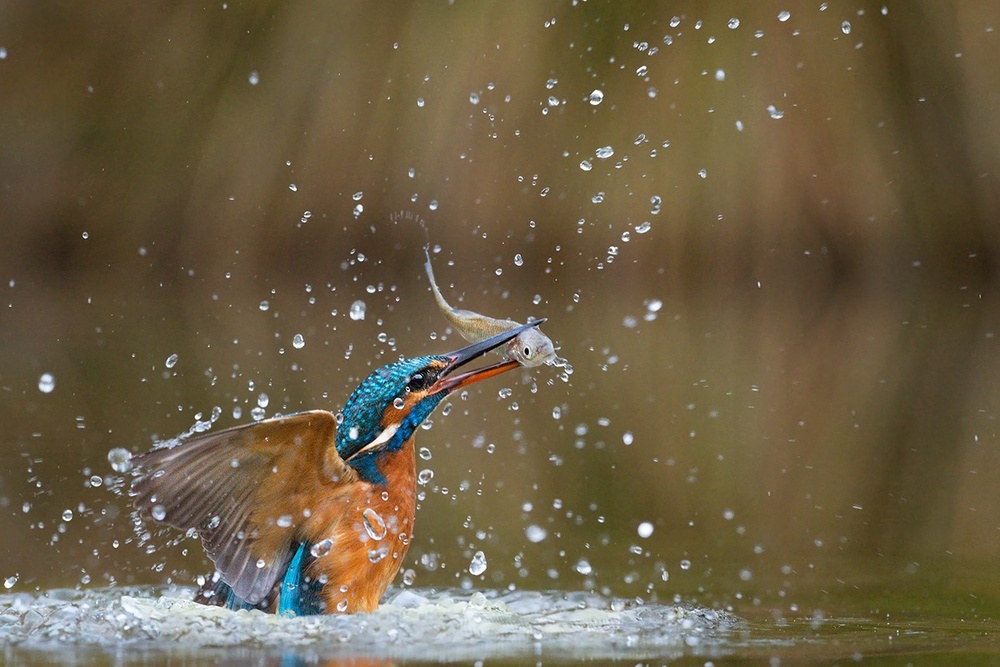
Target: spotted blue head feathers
(385, 410)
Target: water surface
(151, 625)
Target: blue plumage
(299, 596)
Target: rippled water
(127, 625)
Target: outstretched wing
(246, 490)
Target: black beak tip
(470, 352)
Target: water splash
(478, 564)
(46, 383)
(412, 624)
(357, 311)
(374, 524)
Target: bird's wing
(245, 490)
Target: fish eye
(527, 351)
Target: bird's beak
(447, 382)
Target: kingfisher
(310, 512)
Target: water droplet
(171, 361)
(321, 548)
(263, 400)
(399, 403)
(357, 311)
(425, 476)
(645, 529)
(9, 582)
(535, 533)
(409, 576)
(158, 512)
(264, 305)
(846, 27)
(703, 173)
(604, 152)
(734, 23)
(425, 454)
(556, 412)
(342, 606)
(374, 525)
(358, 196)
(774, 112)
(254, 78)
(258, 413)
(784, 16)
(375, 555)
(96, 481)
(474, 98)
(518, 260)
(720, 75)
(643, 228)
(67, 515)
(627, 438)
(46, 383)
(261, 563)
(284, 521)
(420, 102)
(298, 342)
(586, 166)
(120, 459)
(478, 564)
(596, 97)
(685, 564)
(583, 567)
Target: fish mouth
(447, 382)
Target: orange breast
(369, 530)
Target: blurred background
(765, 236)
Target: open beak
(447, 382)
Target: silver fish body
(531, 348)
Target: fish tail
(443, 305)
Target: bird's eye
(417, 382)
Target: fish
(531, 348)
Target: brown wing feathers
(213, 483)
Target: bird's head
(389, 405)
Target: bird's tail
(295, 595)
